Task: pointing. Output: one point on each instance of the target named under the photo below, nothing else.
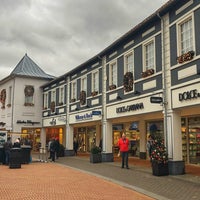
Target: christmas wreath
(3, 97)
(128, 82)
(53, 105)
(28, 91)
(82, 97)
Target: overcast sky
(60, 35)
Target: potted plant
(95, 154)
(159, 158)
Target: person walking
(57, 143)
(75, 145)
(123, 144)
(53, 150)
(7, 148)
(149, 145)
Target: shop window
(155, 129)
(194, 139)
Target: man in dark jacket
(53, 149)
(7, 148)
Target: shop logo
(133, 107)
(192, 94)
(83, 117)
(53, 122)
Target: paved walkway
(77, 178)
(51, 181)
(139, 178)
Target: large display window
(31, 136)
(191, 139)
(132, 134)
(155, 129)
(54, 133)
(86, 137)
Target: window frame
(147, 43)
(95, 89)
(126, 64)
(53, 96)
(180, 50)
(84, 88)
(29, 100)
(111, 75)
(61, 94)
(46, 101)
(74, 90)
(9, 95)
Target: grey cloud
(64, 33)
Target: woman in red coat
(123, 144)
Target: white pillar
(142, 129)
(98, 134)
(174, 136)
(69, 137)
(107, 137)
(43, 138)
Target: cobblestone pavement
(51, 181)
(140, 178)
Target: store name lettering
(83, 117)
(133, 107)
(192, 94)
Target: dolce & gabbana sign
(192, 94)
(129, 108)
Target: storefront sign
(156, 99)
(62, 119)
(96, 112)
(192, 94)
(86, 116)
(27, 122)
(133, 107)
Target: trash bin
(2, 155)
(15, 158)
(25, 154)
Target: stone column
(69, 141)
(142, 129)
(69, 129)
(107, 154)
(174, 144)
(43, 138)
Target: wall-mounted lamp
(137, 92)
(118, 98)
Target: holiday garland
(128, 82)
(3, 97)
(185, 57)
(82, 97)
(29, 91)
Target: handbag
(118, 155)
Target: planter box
(160, 169)
(95, 158)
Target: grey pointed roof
(27, 67)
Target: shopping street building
(146, 82)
